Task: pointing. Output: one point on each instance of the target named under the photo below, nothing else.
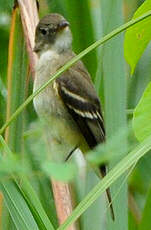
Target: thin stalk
(63, 201)
(73, 61)
(29, 16)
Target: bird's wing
(78, 94)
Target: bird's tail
(103, 173)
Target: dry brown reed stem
(29, 17)
(63, 201)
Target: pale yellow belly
(62, 133)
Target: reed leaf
(17, 73)
(115, 102)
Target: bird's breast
(47, 102)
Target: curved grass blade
(17, 207)
(35, 206)
(27, 195)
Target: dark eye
(43, 31)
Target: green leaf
(146, 220)
(35, 205)
(25, 191)
(17, 74)
(17, 207)
(142, 116)
(138, 36)
(62, 172)
(114, 79)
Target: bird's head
(52, 32)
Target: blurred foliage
(89, 20)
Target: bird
(70, 105)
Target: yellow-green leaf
(138, 36)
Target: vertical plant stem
(29, 16)
(63, 201)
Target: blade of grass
(115, 103)
(94, 216)
(7, 222)
(17, 207)
(109, 179)
(17, 72)
(71, 62)
(27, 193)
(35, 206)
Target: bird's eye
(43, 31)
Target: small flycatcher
(70, 105)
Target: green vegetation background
(119, 94)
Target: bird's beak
(63, 25)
